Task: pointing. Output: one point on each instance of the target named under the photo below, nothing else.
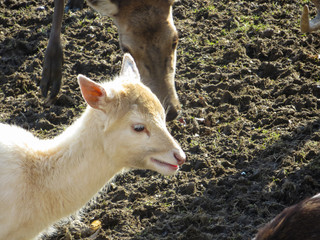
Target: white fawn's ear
(129, 68)
(94, 94)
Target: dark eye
(138, 127)
(174, 44)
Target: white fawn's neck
(76, 166)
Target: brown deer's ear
(129, 68)
(94, 94)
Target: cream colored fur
(42, 181)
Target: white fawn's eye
(138, 127)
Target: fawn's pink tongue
(174, 167)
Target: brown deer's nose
(180, 159)
(171, 115)
(173, 111)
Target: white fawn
(42, 181)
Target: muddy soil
(249, 83)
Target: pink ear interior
(91, 91)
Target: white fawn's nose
(180, 156)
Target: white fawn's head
(133, 122)
(147, 32)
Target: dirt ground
(249, 83)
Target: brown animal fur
(146, 31)
(298, 222)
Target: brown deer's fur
(146, 31)
(298, 222)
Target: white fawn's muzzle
(168, 163)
